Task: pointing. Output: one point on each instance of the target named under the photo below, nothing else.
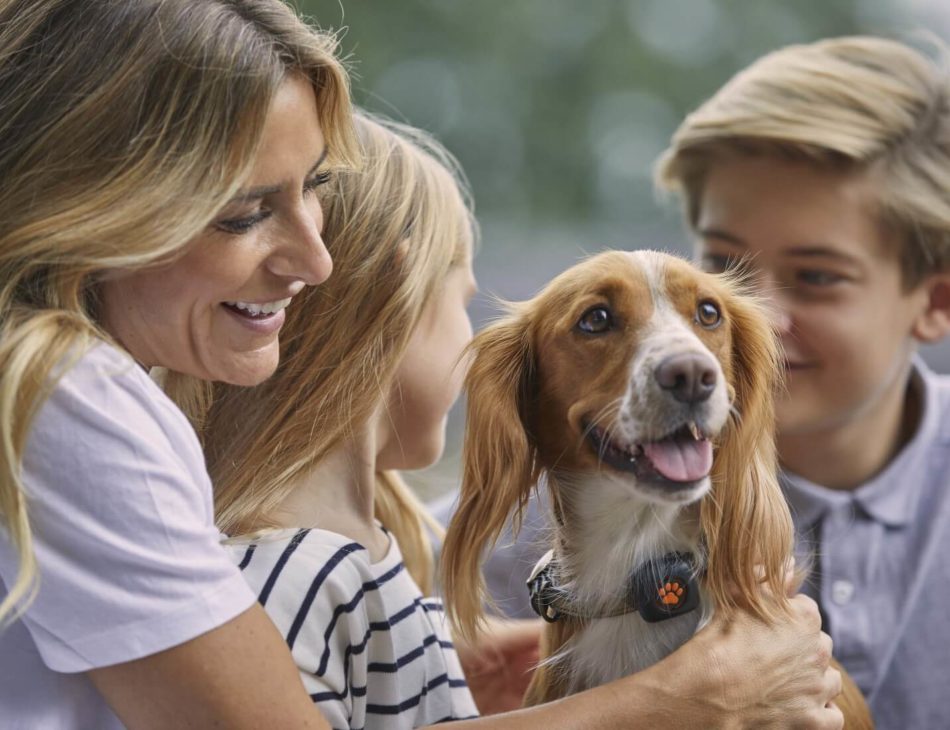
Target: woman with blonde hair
(159, 161)
(325, 531)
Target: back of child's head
(865, 104)
(395, 229)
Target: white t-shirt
(129, 559)
(373, 653)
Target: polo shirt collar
(885, 498)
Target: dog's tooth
(694, 430)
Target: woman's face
(831, 273)
(216, 311)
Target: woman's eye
(816, 277)
(708, 314)
(595, 320)
(316, 181)
(244, 224)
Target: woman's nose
(301, 253)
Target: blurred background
(557, 109)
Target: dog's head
(651, 374)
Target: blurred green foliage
(557, 108)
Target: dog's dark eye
(708, 315)
(596, 320)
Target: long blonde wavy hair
(124, 128)
(856, 103)
(395, 229)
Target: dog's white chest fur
(610, 648)
(611, 533)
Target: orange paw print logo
(671, 594)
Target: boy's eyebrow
(813, 250)
(821, 251)
(263, 190)
(721, 235)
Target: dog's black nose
(689, 377)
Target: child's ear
(933, 324)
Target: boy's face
(830, 272)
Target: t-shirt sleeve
(121, 511)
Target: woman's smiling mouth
(260, 317)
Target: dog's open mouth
(683, 457)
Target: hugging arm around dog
(157, 209)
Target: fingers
(829, 718)
(806, 610)
(825, 648)
(833, 684)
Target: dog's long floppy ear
(746, 522)
(499, 462)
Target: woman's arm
(736, 675)
(739, 675)
(239, 675)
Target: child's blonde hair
(125, 128)
(395, 229)
(862, 103)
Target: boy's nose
(776, 304)
(779, 317)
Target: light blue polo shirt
(881, 569)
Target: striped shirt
(371, 650)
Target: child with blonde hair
(335, 544)
(322, 525)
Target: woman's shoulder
(106, 433)
(105, 378)
(102, 403)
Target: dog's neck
(605, 532)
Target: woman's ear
(933, 324)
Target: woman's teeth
(259, 310)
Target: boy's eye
(817, 277)
(237, 226)
(321, 178)
(717, 263)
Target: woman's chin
(248, 369)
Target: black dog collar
(658, 590)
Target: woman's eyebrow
(263, 190)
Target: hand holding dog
(743, 673)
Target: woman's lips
(261, 324)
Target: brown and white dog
(640, 389)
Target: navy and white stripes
(372, 652)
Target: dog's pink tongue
(680, 460)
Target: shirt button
(842, 591)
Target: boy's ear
(933, 324)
